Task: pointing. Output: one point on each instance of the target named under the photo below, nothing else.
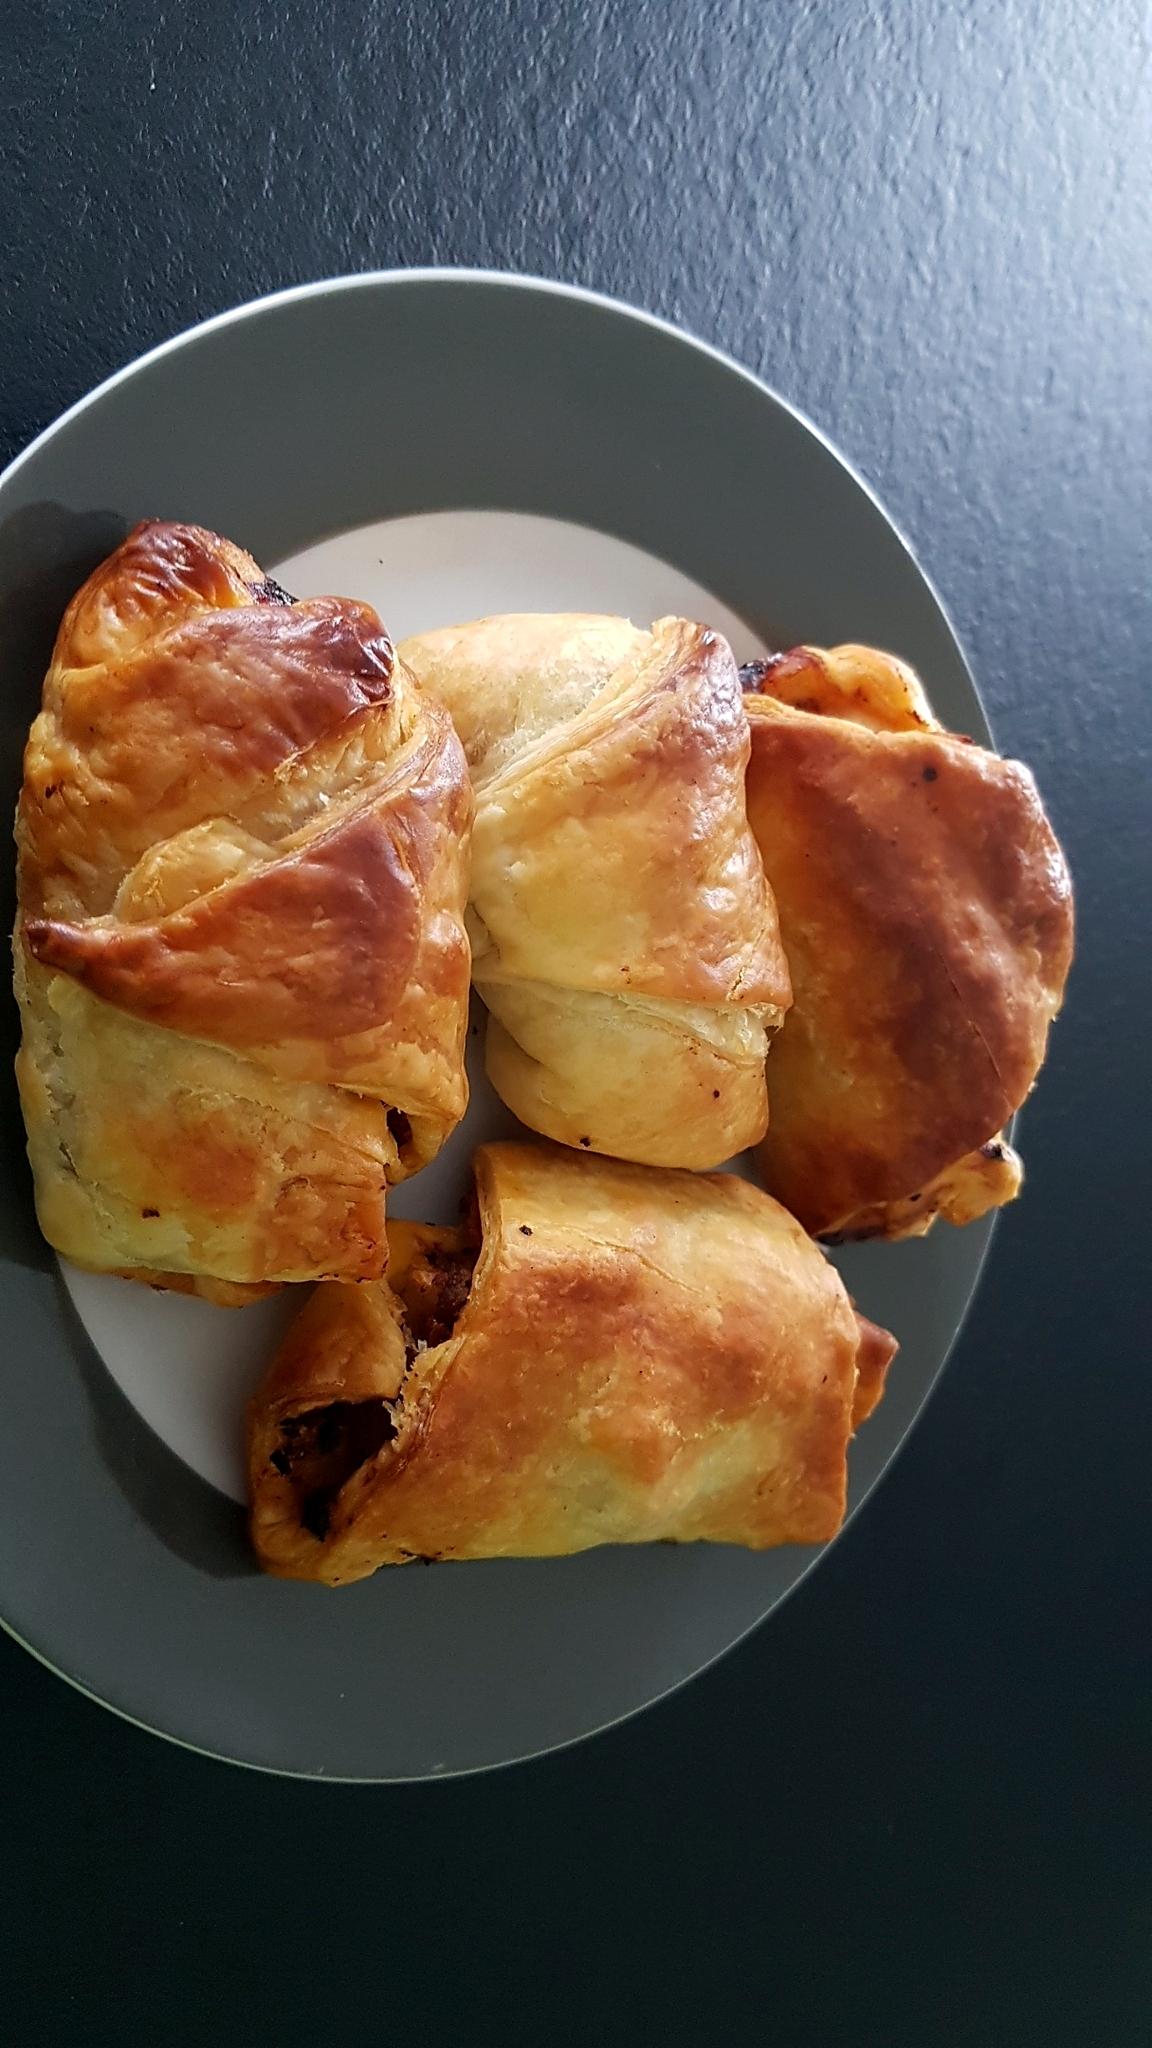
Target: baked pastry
(604, 1353)
(623, 938)
(240, 953)
(927, 916)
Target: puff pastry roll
(607, 1353)
(623, 938)
(927, 915)
(240, 954)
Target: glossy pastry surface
(606, 1353)
(926, 912)
(240, 952)
(623, 937)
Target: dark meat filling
(401, 1128)
(271, 592)
(321, 1449)
(436, 1288)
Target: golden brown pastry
(927, 916)
(623, 938)
(606, 1353)
(240, 953)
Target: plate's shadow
(190, 1518)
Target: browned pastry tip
(877, 1349)
(861, 684)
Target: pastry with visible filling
(601, 1353)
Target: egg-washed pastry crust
(926, 912)
(606, 1353)
(240, 953)
(624, 940)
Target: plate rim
(437, 274)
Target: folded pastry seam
(631, 960)
(240, 953)
(609, 1353)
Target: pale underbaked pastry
(240, 953)
(926, 911)
(623, 938)
(607, 1353)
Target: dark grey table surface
(915, 1807)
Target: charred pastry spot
(525, 1230)
(993, 1150)
(752, 674)
(715, 1095)
(320, 1450)
(790, 665)
(400, 1127)
(53, 789)
(929, 774)
(586, 1142)
(149, 1212)
(271, 592)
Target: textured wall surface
(915, 1808)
